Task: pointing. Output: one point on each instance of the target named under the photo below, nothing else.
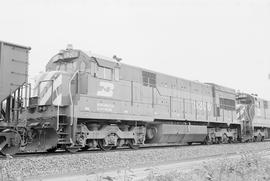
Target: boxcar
(13, 67)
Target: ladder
(64, 130)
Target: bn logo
(106, 89)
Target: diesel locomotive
(84, 101)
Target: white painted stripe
(58, 100)
(43, 85)
(57, 85)
(47, 77)
(57, 82)
(48, 95)
(45, 98)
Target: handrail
(58, 109)
(21, 99)
(71, 99)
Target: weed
(248, 167)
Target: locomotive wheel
(85, 148)
(119, 144)
(208, 141)
(255, 139)
(132, 145)
(14, 146)
(259, 138)
(72, 149)
(218, 140)
(52, 150)
(102, 146)
(225, 139)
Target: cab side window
(93, 69)
(104, 73)
(82, 66)
(116, 73)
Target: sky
(221, 41)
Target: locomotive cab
(57, 92)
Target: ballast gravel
(97, 162)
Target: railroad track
(126, 148)
(36, 165)
(141, 172)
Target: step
(63, 142)
(62, 133)
(63, 124)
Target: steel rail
(120, 149)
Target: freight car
(86, 101)
(13, 74)
(13, 67)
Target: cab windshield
(64, 61)
(66, 66)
